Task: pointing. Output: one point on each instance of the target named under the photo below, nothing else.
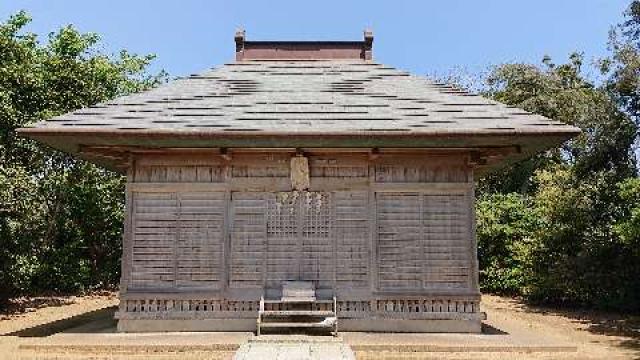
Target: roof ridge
(303, 50)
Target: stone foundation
(366, 325)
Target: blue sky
(425, 37)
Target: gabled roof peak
(303, 50)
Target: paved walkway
(272, 347)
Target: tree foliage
(582, 249)
(60, 218)
(505, 227)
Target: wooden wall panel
(423, 241)
(177, 239)
(389, 223)
(177, 174)
(200, 239)
(338, 166)
(260, 166)
(420, 173)
(447, 241)
(248, 239)
(399, 241)
(155, 228)
(352, 236)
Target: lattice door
(299, 241)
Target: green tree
(60, 218)
(506, 224)
(563, 93)
(583, 247)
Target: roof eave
(69, 140)
(568, 131)
(73, 140)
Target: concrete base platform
(180, 345)
(223, 345)
(369, 325)
(451, 343)
(204, 325)
(246, 346)
(410, 326)
(98, 339)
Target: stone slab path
(273, 347)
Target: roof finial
(368, 44)
(239, 39)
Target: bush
(505, 223)
(573, 242)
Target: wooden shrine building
(300, 168)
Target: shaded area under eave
(73, 141)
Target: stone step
(298, 290)
(266, 325)
(272, 313)
(294, 339)
(315, 301)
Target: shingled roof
(339, 102)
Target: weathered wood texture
(423, 241)
(390, 234)
(178, 238)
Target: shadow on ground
(595, 322)
(97, 321)
(490, 330)
(23, 304)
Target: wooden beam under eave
(110, 158)
(218, 150)
(489, 156)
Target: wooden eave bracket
(116, 159)
(374, 154)
(225, 154)
(483, 157)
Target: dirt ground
(597, 335)
(31, 313)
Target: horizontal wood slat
(423, 241)
(177, 239)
